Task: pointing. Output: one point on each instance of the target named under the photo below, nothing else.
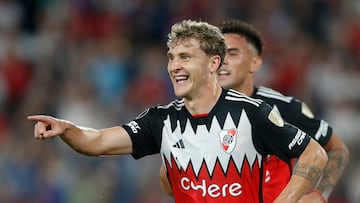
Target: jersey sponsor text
(213, 190)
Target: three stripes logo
(179, 144)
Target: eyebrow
(233, 49)
(179, 54)
(169, 54)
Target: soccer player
(211, 140)
(243, 59)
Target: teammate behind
(242, 61)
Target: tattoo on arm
(337, 162)
(309, 172)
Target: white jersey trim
(322, 131)
(237, 96)
(177, 104)
(270, 93)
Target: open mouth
(223, 72)
(181, 78)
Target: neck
(205, 102)
(246, 88)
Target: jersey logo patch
(227, 139)
(179, 144)
(275, 117)
(306, 110)
(134, 126)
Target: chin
(222, 80)
(181, 90)
(224, 84)
(179, 93)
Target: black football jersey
(216, 157)
(297, 113)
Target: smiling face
(241, 61)
(190, 68)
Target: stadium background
(100, 63)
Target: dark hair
(210, 38)
(241, 28)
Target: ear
(215, 63)
(255, 64)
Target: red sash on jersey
(219, 187)
(276, 176)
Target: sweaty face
(187, 68)
(237, 66)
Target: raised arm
(307, 170)
(84, 140)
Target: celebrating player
(212, 141)
(243, 59)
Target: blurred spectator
(77, 58)
(151, 85)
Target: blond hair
(210, 38)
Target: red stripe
(200, 115)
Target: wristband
(319, 193)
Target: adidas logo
(179, 144)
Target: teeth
(178, 78)
(223, 72)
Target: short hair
(210, 38)
(241, 28)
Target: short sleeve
(277, 137)
(145, 133)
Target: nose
(174, 65)
(225, 61)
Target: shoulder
(163, 109)
(177, 104)
(234, 96)
(258, 111)
(266, 93)
(155, 115)
(287, 105)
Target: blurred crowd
(100, 63)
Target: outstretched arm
(84, 140)
(307, 170)
(338, 158)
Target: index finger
(41, 118)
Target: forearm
(337, 162)
(88, 141)
(80, 138)
(300, 182)
(307, 170)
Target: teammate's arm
(338, 158)
(307, 170)
(338, 153)
(84, 140)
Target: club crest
(227, 139)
